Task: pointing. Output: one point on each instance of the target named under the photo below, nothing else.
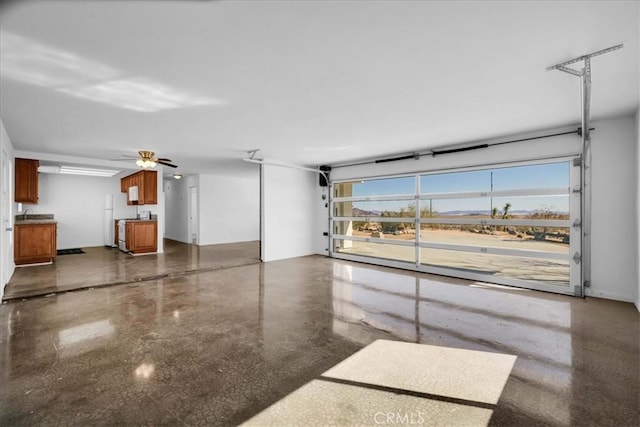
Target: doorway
(193, 215)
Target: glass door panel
(375, 187)
(375, 229)
(379, 208)
(494, 266)
(517, 238)
(374, 249)
(510, 225)
(547, 175)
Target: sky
(550, 175)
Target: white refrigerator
(109, 238)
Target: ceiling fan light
(145, 163)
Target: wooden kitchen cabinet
(142, 236)
(35, 243)
(149, 189)
(147, 183)
(26, 180)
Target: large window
(511, 225)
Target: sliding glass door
(512, 224)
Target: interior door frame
(6, 220)
(192, 213)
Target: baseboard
(610, 295)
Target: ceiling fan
(147, 159)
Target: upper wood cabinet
(149, 188)
(26, 180)
(147, 183)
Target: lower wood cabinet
(34, 243)
(142, 236)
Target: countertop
(34, 221)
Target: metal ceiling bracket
(251, 159)
(585, 79)
(252, 153)
(583, 57)
(569, 70)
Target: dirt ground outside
(500, 239)
(525, 268)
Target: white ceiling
(202, 82)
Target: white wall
(289, 214)
(614, 192)
(637, 126)
(77, 203)
(229, 208)
(5, 238)
(614, 252)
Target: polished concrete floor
(104, 266)
(218, 347)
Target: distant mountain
(364, 213)
(479, 212)
(361, 212)
(486, 212)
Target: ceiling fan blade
(130, 156)
(171, 165)
(164, 159)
